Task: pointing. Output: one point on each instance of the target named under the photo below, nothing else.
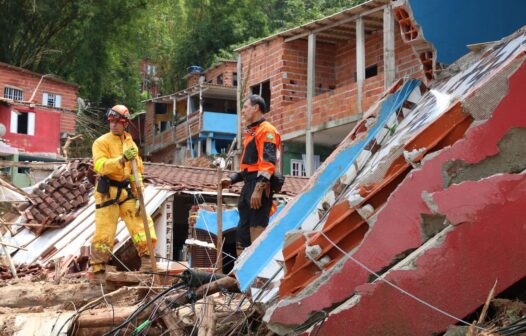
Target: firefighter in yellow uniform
(116, 193)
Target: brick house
(345, 61)
(199, 120)
(36, 110)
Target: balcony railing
(210, 122)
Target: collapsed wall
(410, 190)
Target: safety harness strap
(120, 185)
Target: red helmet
(118, 113)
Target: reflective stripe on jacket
(108, 150)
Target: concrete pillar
(239, 96)
(360, 62)
(209, 145)
(389, 48)
(311, 78)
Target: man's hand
(255, 199)
(225, 182)
(130, 153)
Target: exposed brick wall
(68, 122)
(149, 124)
(192, 79)
(265, 62)
(285, 64)
(27, 82)
(225, 68)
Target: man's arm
(267, 142)
(102, 162)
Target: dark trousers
(251, 217)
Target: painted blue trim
(450, 25)
(217, 136)
(207, 220)
(307, 202)
(219, 122)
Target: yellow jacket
(108, 150)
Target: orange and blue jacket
(261, 149)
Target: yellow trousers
(106, 220)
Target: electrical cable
(107, 303)
(401, 290)
(116, 331)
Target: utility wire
(401, 290)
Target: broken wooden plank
(26, 294)
(107, 317)
(228, 283)
(208, 319)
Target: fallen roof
(69, 240)
(68, 188)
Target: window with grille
(12, 93)
(297, 168)
(51, 99)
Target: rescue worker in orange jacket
(116, 193)
(261, 150)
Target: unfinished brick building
(345, 61)
(199, 120)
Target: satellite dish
(81, 104)
(3, 130)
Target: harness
(120, 185)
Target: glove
(225, 182)
(255, 199)
(130, 153)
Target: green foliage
(100, 44)
(92, 43)
(210, 30)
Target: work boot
(146, 264)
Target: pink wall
(47, 130)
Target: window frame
(300, 170)
(12, 96)
(15, 122)
(57, 99)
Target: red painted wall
(47, 130)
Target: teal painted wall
(294, 151)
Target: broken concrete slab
(303, 211)
(405, 225)
(454, 275)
